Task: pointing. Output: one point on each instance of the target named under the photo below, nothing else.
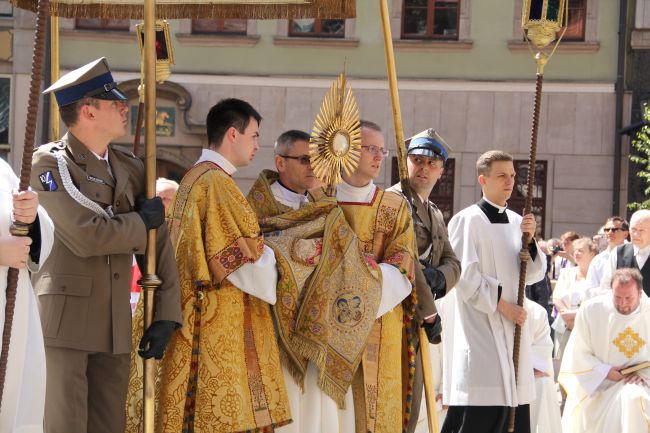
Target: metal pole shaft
(429, 390)
(150, 281)
(55, 132)
(394, 96)
(429, 385)
(525, 239)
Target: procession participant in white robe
(479, 378)
(611, 334)
(545, 409)
(24, 389)
(445, 307)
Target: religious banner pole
(429, 388)
(541, 21)
(150, 281)
(55, 118)
(19, 229)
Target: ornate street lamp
(541, 21)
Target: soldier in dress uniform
(439, 268)
(94, 195)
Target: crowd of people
(297, 308)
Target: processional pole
(17, 228)
(150, 281)
(541, 20)
(429, 389)
(55, 132)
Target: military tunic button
(116, 276)
(117, 203)
(135, 249)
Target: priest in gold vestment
(372, 394)
(221, 372)
(382, 385)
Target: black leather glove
(433, 330)
(156, 338)
(152, 211)
(436, 281)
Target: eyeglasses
(611, 229)
(302, 159)
(374, 150)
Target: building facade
(463, 68)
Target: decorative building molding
(216, 40)
(367, 84)
(427, 45)
(294, 41)
(564, 47)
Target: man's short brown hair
(484, 162)
(625, 275)
(70, 113)
(370, 125)
(570, 235)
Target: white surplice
(545, 409)
(312, 410)
(24, 394)
(477, 355)
(603, 338)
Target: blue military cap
(428, 143)
(93, 80)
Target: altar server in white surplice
(545, 409)
(23, 400)
(611, 333)
(479, 378)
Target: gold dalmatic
(385, 232)
(221, 371)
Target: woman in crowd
(571, 290)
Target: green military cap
(428, 143)
(93, 80)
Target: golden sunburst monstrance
(336, 135)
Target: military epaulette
(56, 146)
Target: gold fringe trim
(318, 355)
(330, 388)
(296, 373)
(334, 9)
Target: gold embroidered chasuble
(385, 230)
(261, 198)
(221, 372)
(328, 295)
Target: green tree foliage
(642, 145)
